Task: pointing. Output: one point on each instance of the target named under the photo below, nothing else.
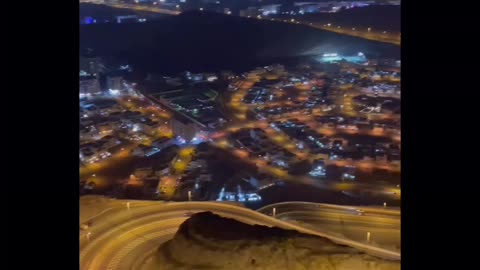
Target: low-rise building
(143, 172)
(184, 128)
(89, 85)
(163, 143)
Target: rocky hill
(208, 241)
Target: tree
(300, 167)
(203, 147)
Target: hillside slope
(208, 241)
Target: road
(124, 235)
(137, 7)
(352, 222)
(370, 35)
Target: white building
(89, 86)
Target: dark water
(212, 42)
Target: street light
(274, 211)
(189, 195)
(369, 29)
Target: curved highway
(126, 234)
(382, 225)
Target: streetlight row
(369, 29)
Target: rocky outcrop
(208, 241)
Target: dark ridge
(212, 226)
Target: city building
(125, 19)
(89, 85)
(115, 83)
(335, 58)
(184, 128)
(318, 168)
(91, 65)
(250, 12)
(146, 125)
(269, 9)
(145, 151)
(163, 143)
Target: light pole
(274, 211)
(368, 237)
(189, 195)
(384, 204)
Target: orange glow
(278, 139)
(223, 144)
(278, 172)
(180, 166)
(134, 181)
(327, 131)
(241, 116)
(186, 152)
(302, 98)
(343, 186)
(365, 165)
(260, 162)
(262, 124)
(217, 135)
(240, 153)
(233, 129)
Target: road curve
(122, 237)
(315, 206)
